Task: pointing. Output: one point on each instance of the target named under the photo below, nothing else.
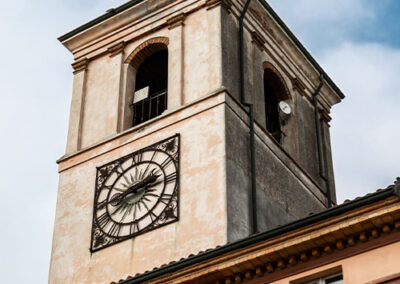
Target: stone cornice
(79, 40)
(131, 27)
(212, 99)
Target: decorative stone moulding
(116, 49)
(324, 116)
(312, 254)
(227, 4)
(298, 85)
(80, 65)
(176, 21)
(257, 39)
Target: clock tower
(193, 123)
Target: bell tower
(166, 156)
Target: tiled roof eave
(256, 244)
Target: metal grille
(149, 108)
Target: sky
(357, 42)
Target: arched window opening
(150, 97)
(274, 92)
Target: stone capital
(176, 21)
(210, 4)
(324, 116)
(257, 39)
(298, 85)
(80, 65)
(116, 48)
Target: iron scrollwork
(136, 194)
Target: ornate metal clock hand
(150, 179)
(133, 189)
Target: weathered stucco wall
(230, 59)
(284, 191)
(269, 47)
(197, 55)
(100, 114)
(202, 223)
(195, 60)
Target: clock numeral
(152, 216)
(153, 156)
(114, 230)
(171, 177)
(165, 198)
(148, 165)
(119, 169)
(102, 204)
(137, 158)
(166, 162)
(134, 228)
(109, 187)
(103, 220)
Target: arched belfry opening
(274, 92)
(150, 95)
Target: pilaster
(116, 54)
(175, 61)
(258, 78)
(327, 151)
(214, 45)
(77, 105)
(257, 40)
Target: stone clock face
(136, 193)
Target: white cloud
(365, 132)
(306, 11)
(35, 90)
(364, 137)
(320, 24)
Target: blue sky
(356, 41)
(323, 23)
(385, 25)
